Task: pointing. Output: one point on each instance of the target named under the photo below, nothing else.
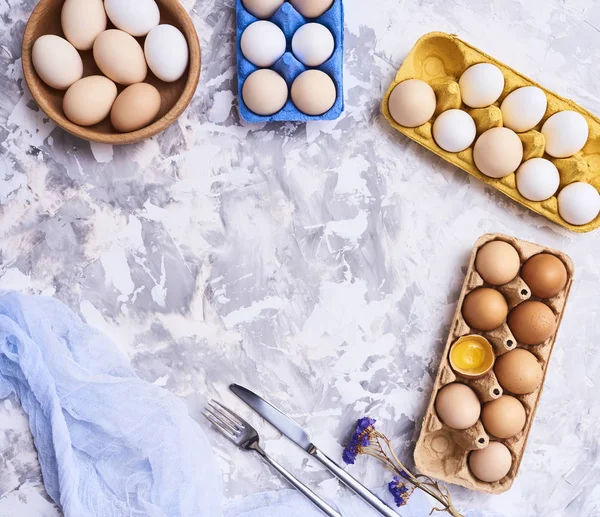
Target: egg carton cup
(442, 452)
(289, 21)
(439, 59)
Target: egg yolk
(469, 355)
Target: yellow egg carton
(442, 452)
(440, 59)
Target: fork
(242, 434)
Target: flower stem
(367, 440)
(429, 487)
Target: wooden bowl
(175, 96)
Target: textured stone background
(317, 263)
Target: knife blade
(301, 437)
(274, 416)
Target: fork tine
(222, 416)
(234, 430)
(236, 418)
(222, 411)
(218, 425)
(215, 422)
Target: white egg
(263, 43)
(56, 61)
(136, 17)
(313, 44)
(524, 108)
(566, 133)
(579, 203)
(537, 179)
(481, 85)
(166, 52)
(454, 130)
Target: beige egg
(504, 417)
(265, 92)
(492, 463)
(311, 8)
(313, 92)
(412, 103)
(498, 152)
(89, 100)
(497, 262)
(82, 21)
(120, 57)
(262, 8)
(56, 61)
(137, 106)
(457, 406)
(518, 371)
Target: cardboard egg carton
(442, 452)
(289, 20)
(440, 59)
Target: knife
(300, 437)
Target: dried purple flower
(366, 440)
(399, 490)
(361, 438)
(349, 455)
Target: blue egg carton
(289, 21)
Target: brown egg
(518, 371)
(412, 103)
(532, 322)
(497, 262)
(136, 107)
(484, 309)
(504, 417)
(545, 274)
(492, 463)
(457, 406)
(498, 152)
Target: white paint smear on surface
(14, 280)
(116, 270)
(103, 153)
(254, 311)
(222, 101)
(351, 229)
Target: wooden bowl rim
(194, 65)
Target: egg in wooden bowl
(129, 43)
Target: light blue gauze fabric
(109, 444)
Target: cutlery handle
(352, 483)
(297, 484)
